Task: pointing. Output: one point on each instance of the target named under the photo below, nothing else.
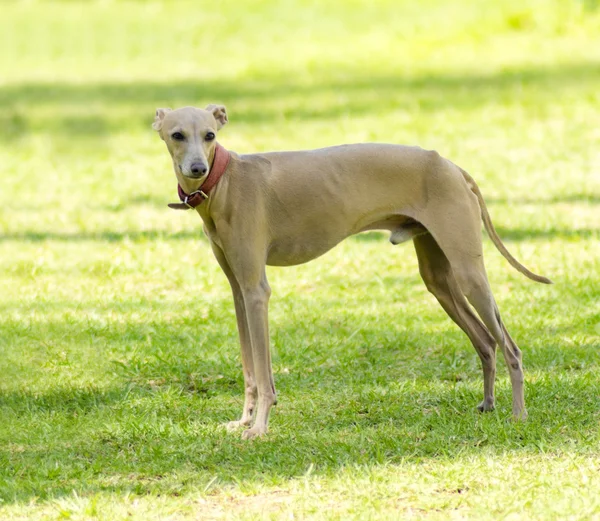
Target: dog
(287, 208)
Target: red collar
(220, 162)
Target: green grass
(118, 350)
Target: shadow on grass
(104, 236)
(350, 93)
(558, 199)
(524, 234)
(507, 234)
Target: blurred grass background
(117, 338)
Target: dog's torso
(298, 205)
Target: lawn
(119, 358)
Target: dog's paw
(486, 406)
(520, 416)
(254, 432)
(235, 425)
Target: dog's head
(190, 134)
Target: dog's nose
(198, 168)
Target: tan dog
(286, 208)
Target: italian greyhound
(287, 208)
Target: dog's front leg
(250, 390)
(256, 301)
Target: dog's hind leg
(436, 272)
(458, 234)
(473, 281)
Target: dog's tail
(487, 222)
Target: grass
(119, 356)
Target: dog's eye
(209, 136)
(177, 136)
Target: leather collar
(196, 198)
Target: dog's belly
(292, 251)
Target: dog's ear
(220, 115)
(159, 117)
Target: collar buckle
(188, 197)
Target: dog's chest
(211, 232)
